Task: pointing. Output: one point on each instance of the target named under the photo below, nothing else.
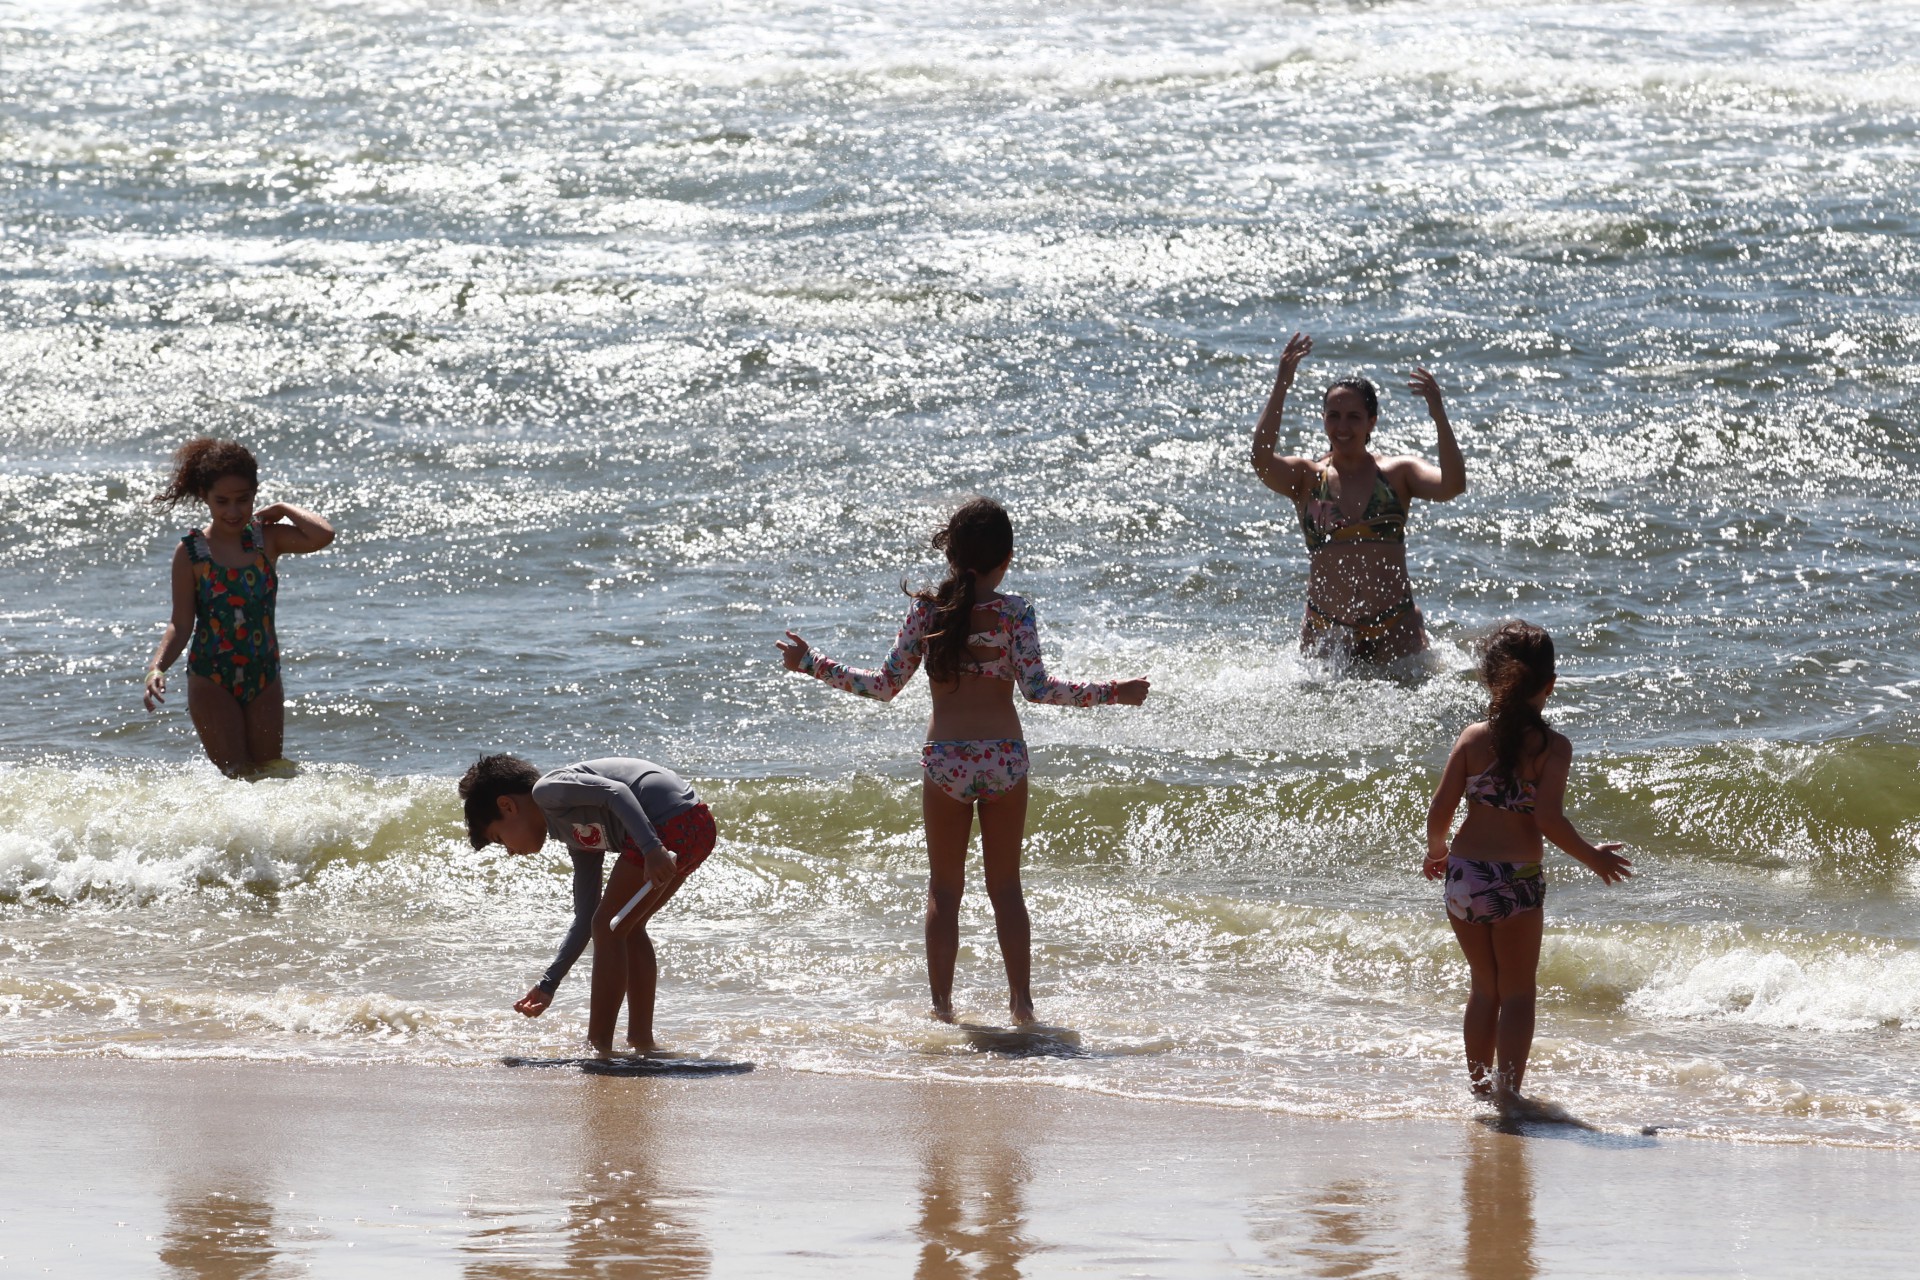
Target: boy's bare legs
(624, 968)
(949, 826)
(1003, 826)
(643, 978)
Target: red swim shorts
(688, 835)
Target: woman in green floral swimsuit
(223, 595)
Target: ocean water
(617, 338)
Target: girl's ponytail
(1517, 661)
(977, 539)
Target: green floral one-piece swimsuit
(233, 641)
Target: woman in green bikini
(224, 587)
(1353, 510)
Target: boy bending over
(647, 815)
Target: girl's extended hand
(1131, 693)
(534, 1003)
(1298, 347)
(793, 651)
(156, 688)
(1425, 385)
(1608, 865)
(1434, 865)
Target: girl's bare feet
(941, 1012)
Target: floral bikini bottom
(1486, 892)
(970, 769)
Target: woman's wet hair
(1517, 661)
(1356, 383)
(485, 781)
(203, 462)
(977, 539)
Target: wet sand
(254, 1170)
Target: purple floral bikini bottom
(1486, 892)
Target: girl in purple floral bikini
(977, 646)
(1513, 771)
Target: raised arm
(1037, 686)
(1549, 813)
(882, 684)
(179, 629)
(1446, 802)
(1424, 480)
(1282, 474)
(301, 532)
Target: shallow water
(616, 339)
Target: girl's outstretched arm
(1549, 813)
(1446, 801)
(1287, 475)
(303, 531)
(1037, 686)
(882, 684)
(179, 630)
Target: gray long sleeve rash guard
(596, 807)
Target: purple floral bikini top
(1512, 794)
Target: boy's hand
(534, 1003)
(1608, 865)
(661, 868)
(793, 651)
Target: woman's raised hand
(793, 651)
(1298, 347)
(1422, 383)
(1131, 693)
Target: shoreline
(122, 1167)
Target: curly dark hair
(977, 538)
(1517, 661)
(481, 787)
(201, 463)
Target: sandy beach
(119, 1168)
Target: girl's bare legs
(1504, 961)
(266, 725)
(1483, 1002)
(949, 827)
(1003, 826)
(1516, 954)
(221, 723)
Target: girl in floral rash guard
(978, 646)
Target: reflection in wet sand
(972, 1204)
(1497, 1197)
(220, 1236)
(1345, 1215)
(629, 1216)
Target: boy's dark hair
(489, 778)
